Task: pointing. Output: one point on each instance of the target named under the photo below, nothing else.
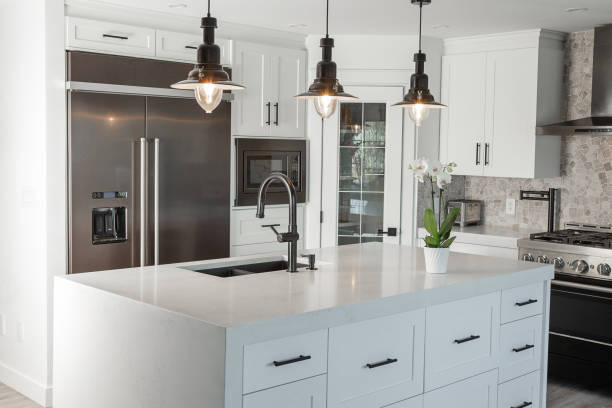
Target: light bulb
(418, 113)
(208, 96)
(325, 105)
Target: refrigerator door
(105, 133)
(189, 181)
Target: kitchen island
(369, 328)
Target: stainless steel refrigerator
(149, 181)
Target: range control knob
(527, 257)
(559, 262)
(580, 266)
(542, 259)
(604, 269)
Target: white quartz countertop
(487, 235)
(346, 275)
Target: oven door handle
(583, 286)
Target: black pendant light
(208, 79)
(326, 90)
(419, 101)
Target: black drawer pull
(293, 360)
(191, 47)
(382, 363)
(525, 347)
(525, 303)
(472, 337)
(118, 37)
(523, 405)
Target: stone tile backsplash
(586, 165)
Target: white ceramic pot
(436, 259)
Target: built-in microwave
(257, 158)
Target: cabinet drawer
(282, 361)
(376, 362)
(109, 37)
(475, 392)
(462, 339)
(519, 392)
(520, 348)
(183, 46)
(415, 402)
(308, 393)
(248, 229)
(521, 302)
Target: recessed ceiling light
(298, 25)
(439, 26)
(177, 5)
(576, 9)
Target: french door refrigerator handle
(156, 202)
(143, 198)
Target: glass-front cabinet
(361, 172)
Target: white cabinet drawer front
(282, 361)
(110, 37)
(184, 47)
(376, 362)
(521, 348)
(475, 392)
(248, 229)
(519, 392)
(462, 339)
(179, 46)
(415, 402)
(521, 302)
(308, 393)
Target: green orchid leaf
(430, 223)
(447, 243)
(448, 223)
(432, 242)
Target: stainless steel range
(580, 342)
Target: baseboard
(39, 393)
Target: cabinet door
(463, 123)
(308, 393)
(476, 392)
(249, 110)
(511, 113)
(287, 79)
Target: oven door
(580, 343)
(256, 159)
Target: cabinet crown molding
(505, 41)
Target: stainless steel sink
(227, 271)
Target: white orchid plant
(439, 174)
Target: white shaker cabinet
(309, 393)
(183, 47)
(498, 88)
(272, 77)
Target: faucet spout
(292, 236)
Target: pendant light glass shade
(419, 101)
(326, 91)
(207, 79)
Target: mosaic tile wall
(586, 166)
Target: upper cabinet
(101, 36)
(272, 77)
(498, 88)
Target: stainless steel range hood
(600, 121)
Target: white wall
(32, 178)
(373, 61)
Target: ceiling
(443, 18)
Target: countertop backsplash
(586, 165)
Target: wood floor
(560, 395)
(11, 399)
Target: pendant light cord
(208, 15)
(326, 21)
(420, 22)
